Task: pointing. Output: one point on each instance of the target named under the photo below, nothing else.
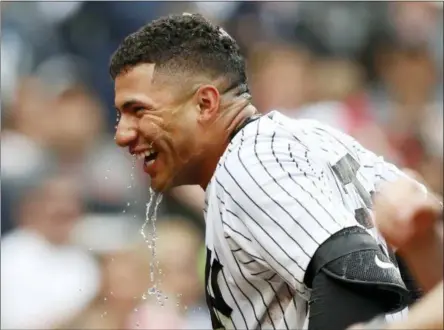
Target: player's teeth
(144, 154)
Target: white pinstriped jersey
(280, 190)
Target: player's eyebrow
(128, 104)
(131, 103)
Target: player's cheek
(150, 127)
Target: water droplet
(136, 309)
(137, 324)
(89, 249)
(166, 297)
(186, 307)
(106, 178)
(152, 290)
(128, 204)
(124, 211)
(111, 293)
(144, 296)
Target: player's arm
(348, 284)
(413, 222)
(291, 212)
(337, 304)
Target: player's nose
(126, 131)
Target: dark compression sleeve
(335, 305)
(352, 280)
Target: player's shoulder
(280, 135)
(270, 147)
(263, 140)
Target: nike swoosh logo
(382, 264)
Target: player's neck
(231, 120)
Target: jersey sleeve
(285, 198)
(381, 170)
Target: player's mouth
(149, 160)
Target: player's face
(159, 125)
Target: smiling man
(289, 232)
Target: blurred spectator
(123, 302)
(27, 130)
(290, 68)
(22, 142)
(409, 114)
(124, 267)
(45, 279)
(65, 129)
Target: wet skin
(173, 119)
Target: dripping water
(150, 218)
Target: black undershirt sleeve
(335, 305)
(348, 283)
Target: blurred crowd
(72, 256)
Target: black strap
(244, 123)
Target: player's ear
(208, 100)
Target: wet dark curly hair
(182, 43)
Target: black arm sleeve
(352, 280)
(335, 305)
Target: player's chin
(162, 182)
(159, 185)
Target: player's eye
(138, 108)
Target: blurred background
(72, 203)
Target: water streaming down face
(151, 240)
